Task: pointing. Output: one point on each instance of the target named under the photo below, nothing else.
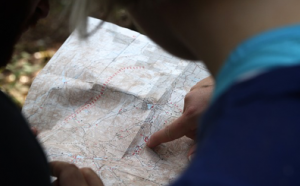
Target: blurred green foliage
(38, 45)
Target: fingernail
(191, 157)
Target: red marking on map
(96, 98)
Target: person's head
(16, 16)
(147, 15)
(205, 29)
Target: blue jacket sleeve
(251, 135)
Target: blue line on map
(63, 76)
(149, 106)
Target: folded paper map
(97, 102)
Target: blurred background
(39, 44)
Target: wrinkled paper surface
(97, 102)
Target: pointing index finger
(174, 131)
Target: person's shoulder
(7, 107)
(272, 86)
(250, 135)
(21, 154)
(271, 99)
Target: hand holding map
(70, 175)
